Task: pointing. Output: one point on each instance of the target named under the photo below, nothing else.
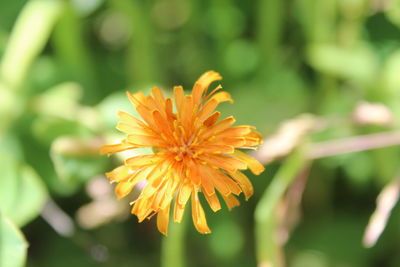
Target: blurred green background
(65, 67)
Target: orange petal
(169, 109)
(193, 172)
(237, 131)
(146, 141)
(186, 113)
(231, 201)
(158, 98)
(178, 97)
(224, 162)
(244, 183)
(206, 179)
(255, 166)
(147, 116)
(199, 218)
(163, 125)
(212, 119)
(213, 201)
(217, 128)
(203, 83)
(214, 149)
(207, 109)
(163, 220)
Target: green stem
(268, 250)
(270, 26)
(173, 246)
(141, 58)
(72, 51)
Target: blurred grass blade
(28, 38)
(265, 216)
(12, 244)
(173, 245)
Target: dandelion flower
(194, 152)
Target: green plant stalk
(173, 245)
(141, 64)
(71, 49)
(270, 22)
(266, 244)
(27, 40)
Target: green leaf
(358, 63)
(12, 244)
(22, 193)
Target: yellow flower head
(193, 152)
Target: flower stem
(267, 243)
(172, 251)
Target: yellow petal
(144, 207)
(199, 218)
(130, 129)
(124, 188)
(222, 97)
(144, 160)
(163, 220)
(120, 173)
(255, 166)
(110, 149)
(136, 98)
(130, 120)
(184, 193)
(178, 211)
